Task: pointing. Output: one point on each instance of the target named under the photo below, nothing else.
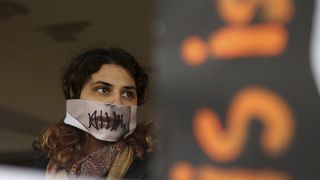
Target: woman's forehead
(113, 74)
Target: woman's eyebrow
(103, 83)
(110, 85)
(130, 87)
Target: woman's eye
(128, 95)
(102, 90)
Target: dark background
(181, 89)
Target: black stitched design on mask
(107, 122)
(93, 117)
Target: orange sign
(184, 171)
(239, 38)
(226, 144)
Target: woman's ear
(145, 97)
(71, 93)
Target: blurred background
(234, 82)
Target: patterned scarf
(97, 164)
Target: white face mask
(106, 122)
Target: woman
(100, 136)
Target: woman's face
(111, 85)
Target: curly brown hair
(63, 143)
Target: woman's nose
(116, 99)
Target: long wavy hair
(63, 143)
